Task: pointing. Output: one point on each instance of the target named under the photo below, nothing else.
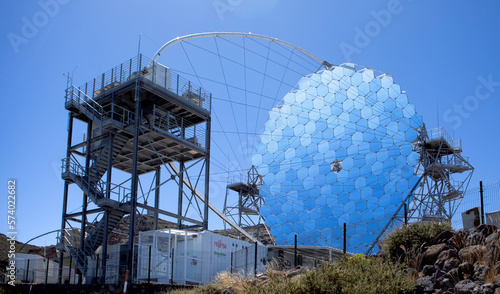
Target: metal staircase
(71, 244)
(100, 163)
(91, 183)
(96, 191)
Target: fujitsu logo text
(219, 244)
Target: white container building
(185, 257)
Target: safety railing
(178, 126)
(441, 133)
(71, 165)
(120, 114)
(83, 100)
(452, 160)
(117, 191)
(155, 72)
(97, 226)
(73, 247)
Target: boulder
(429, 270)
(453, 275)
(440, 274)
(487, 230)
(492, 253)
(425, 285)
(444, 256)
(443, 284)
(431, 254)
(486, 288)
(451, 264)
(475, 238)
(492, 238)
(465, 270)
(464, 287)
(472, 253)
(480, 271)
(444, 237)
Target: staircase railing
(118, 190)
(97, 226)
(71, 165)
(75, 94)
(72, 246)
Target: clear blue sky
(444, 55)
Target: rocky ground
(464, 261)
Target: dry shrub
(349, 275)
(413, 256)
(413, 237)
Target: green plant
(414, 237)
(356, 274)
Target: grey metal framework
(437, 195)
(141, 118)
(246, 211)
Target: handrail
(72, 166)
(178, 126)
(142, 66)
(213, 208)
(70, 243)
(97, 108)
(440, 132)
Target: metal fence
(40, 270)
(472, 198)
(250, 260)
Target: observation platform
(248, 193)
(174, 115)
(441, 143)
(444, 154)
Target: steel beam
(135, 179)
(157, 196)
(65, 199)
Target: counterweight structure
(141, 118)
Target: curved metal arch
(234, 34)
(54, 231)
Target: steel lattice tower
(246, 212)
(437, 194)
